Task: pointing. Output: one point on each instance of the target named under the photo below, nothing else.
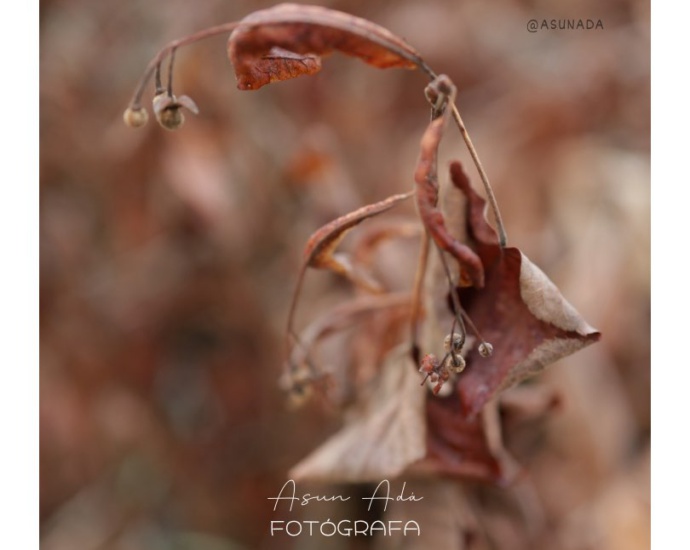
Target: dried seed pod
(300, 394)
(299, 386)
(135, 118)
(455, 363)
(458, 341)
(171, 119)
(168, 109)
(485, 349)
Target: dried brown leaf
(319, 250)
(319, 254)
(287, 41)
(339, 318)
(381, 438)
(457, 445)
(426, 179)
(520, 311)
(278, 64)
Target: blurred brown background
(167, 259)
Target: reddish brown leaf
(287, 41)
(457, 445)
(519, 310)
(278, 64)
(318, 252)
(427, 194)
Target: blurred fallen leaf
(381, 437)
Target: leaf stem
(482, 174)
(290, 331)
(417, 290)
(455, 298)
(461, 315)
(170, 72)
(157, 80)
(135, 103)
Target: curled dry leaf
(288, 40)
(428, 189)
(519, 310)
(381, 438)
(319, 250)
(337, 319)
(457, 445)
(276, 65)
(319, 254)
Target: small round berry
(171, 118)
(458, 341)
(455, 364)
(135, 118)
(485, 349)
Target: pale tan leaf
(382, 437)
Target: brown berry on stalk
(485, 349)
(171, 118)
(135, 118)
(168, 109)
(458, 341)
(299, 385)
(455, 363)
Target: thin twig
(290, 331)
(473, 327)
(457, 308)
(170, 72)
(453, 354)
(135, 103)
(416, 310)
(482, 174)
(460, 314)
(157, 80)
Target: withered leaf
(278, 64)
(427, 197)
(337, 319)
(457, 445)
(519, 310)
(381, 438)
(319, 250)
(287, 40)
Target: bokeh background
(168, 259)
